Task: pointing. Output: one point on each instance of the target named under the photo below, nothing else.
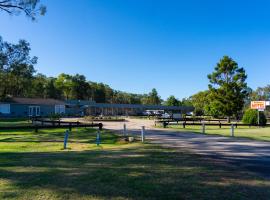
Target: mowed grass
(14, 122)
(35, 166)
(244, 132)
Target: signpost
(260, 106)
(256, 105)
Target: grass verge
(254, 133)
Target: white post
(203, 128)
(258, 117)
(232, 130)
(124, 129)
(143, 134)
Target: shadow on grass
(146, 173)
(82, 135)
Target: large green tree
(65, 84)
(16, 68)
(31, 8)
(199, 101)
(172, 101)
(152, 98)
(227, 88)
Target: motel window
(5, 108)
(60, 109)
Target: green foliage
(55, 117)
(227, 88)
(251, 117)
(152, 98)
(18, 78)
(199, 102)
(186, 102)
(31, 8)
(16, 69)
(172, 101)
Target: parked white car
(166, 115)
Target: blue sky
(137, 45)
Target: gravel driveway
(250, 154)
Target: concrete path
(250, 154)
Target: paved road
(250, 154)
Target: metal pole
(98, 138)
(258, 118)
(143, 134)
(232, 130)
(66, 139)
(203, 128)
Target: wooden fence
(184, 124)
(46, 124)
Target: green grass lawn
(14, 122)
(35, 166)
(245, 132)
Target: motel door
(34, 111)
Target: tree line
(18, 78)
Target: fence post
(203, 128)
(232, 130)
(164, 124)
(100, 126)
(184, 124)
(143, 134)
(98, 137)
(69, 126)
(66, 139)
(124, 129)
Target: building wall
(22, 110)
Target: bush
(251, 117)
(54, 117)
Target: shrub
(251, 117)
(54, 117)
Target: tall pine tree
(227, 88)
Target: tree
(199, 102)
(172, 101)
(16, 68)
(251, 117)
(31, 8)
(227, 88)
(39, 83)
(79, 87)
(186, 102)
(51, 91)
(261, 94)
(152, 98)
(65, 84)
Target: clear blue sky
(137, 45)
